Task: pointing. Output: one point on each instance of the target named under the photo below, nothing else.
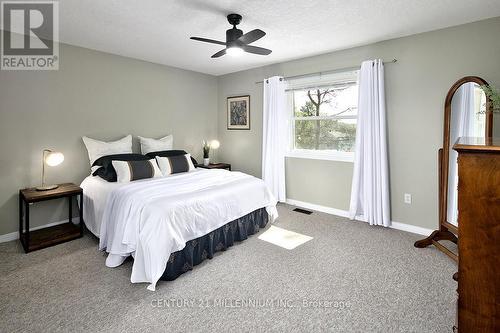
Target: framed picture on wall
(238, 113)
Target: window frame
(329, 155)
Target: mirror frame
(446, 146)
(448, 231)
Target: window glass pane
(326, 101)
(339, 135)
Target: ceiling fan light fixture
(237, 42)
(234, 51)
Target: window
(479, 115)
(324, 116)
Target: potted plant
(494, 95)
(214, 144)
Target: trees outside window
(324, 118)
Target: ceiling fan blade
(219, 54)
(252, 36)
(256, 50)
(206, 40)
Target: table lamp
(51, 158)
(214, 144)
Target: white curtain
(370, 199)
(467, 114)
(275, 136)
(461, 124)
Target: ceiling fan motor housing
(232, 35)
(234, 19)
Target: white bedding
(95, 196)
(152, 218)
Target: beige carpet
(349, 278)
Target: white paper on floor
(284, 238)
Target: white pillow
(149, 145)
(175, 164)
(97, 149)
(128, 171)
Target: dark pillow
(169, 153)
(107, 171)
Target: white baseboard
(15, 235)
(319, 208)
(411, 228)
(343, 213)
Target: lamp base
(47, 187)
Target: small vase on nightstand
(206, 161)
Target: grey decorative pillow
(127, 171)
(105, 164)
(175, 164)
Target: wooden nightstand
(215, 166)
(41, 238)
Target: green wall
(96, 94)
(416, 86)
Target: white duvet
(150, 219)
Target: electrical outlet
(408, 198)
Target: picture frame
(238, 112)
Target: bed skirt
(220, 239)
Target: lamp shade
(54, 158)
(214, 144)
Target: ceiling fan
(237, 42)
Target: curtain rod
(327, 72)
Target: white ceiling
(158, 30)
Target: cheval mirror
(467, 113)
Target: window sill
(321, 155)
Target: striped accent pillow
(175, 164)
(128, 171)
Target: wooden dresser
(478, 234)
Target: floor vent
(303, 211)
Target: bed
(172, 223)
